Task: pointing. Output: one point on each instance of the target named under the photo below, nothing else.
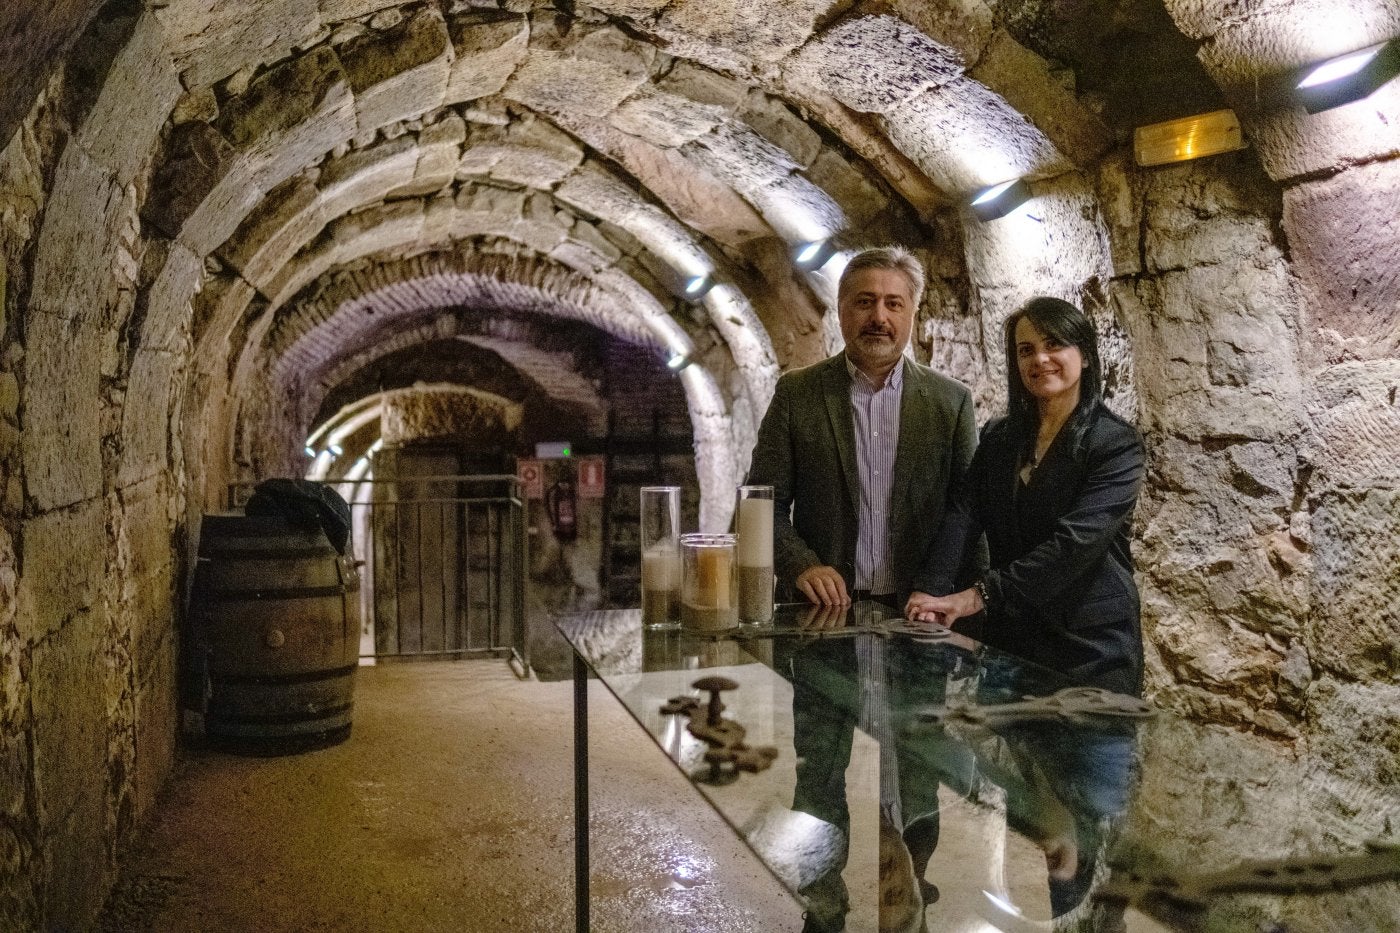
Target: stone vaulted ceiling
(313, 177)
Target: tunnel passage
(199, 205)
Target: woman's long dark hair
(1063, 322)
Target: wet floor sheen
(449, 809)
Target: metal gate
(442, 565)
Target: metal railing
(442, 564)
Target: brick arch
(266, 430)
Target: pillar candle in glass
(661, 556)
(755, 524)
(709, 600)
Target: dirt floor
(450, 808)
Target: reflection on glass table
(899, 777)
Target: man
(862, 448)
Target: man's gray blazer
(806, 451)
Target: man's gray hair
(896, 258)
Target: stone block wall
(90, 503)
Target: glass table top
(896, 777)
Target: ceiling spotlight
(1188, 138)
(1001, 199)
(697, 286)
(1348, 78)
(813, 255)
(335, 450)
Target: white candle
(661, 567)
(755, 532)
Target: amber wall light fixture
(1204, 134)
(1000, 199)
(1348, 78)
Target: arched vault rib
(265, 248)
(296, 110)
(361, 302)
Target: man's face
(876, 308)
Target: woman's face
(1049, 369)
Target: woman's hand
(945, 610)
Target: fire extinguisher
(560, 503)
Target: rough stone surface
(196, 157)
(210, 41)
(59, 584)
(1355, 425)
(1241, 378)
(487, 46)
(771, 119)
(1356, 542)
(965, 137)
(554, 82)
(145, 432)
(665, 119)
(439, 150)
(399, 73)
(1024, 79)
(428, 413)
(744, 159)
(692, 194)
(756, 31)
(1356, 729)
(290, 115)
(860, 199)
(535, 154)
(362, 176)
(88, 215)
(70, 767)
(62, 460)
(288, 217)
(874, 64)
(164, 305)
(1346, 251)
(1222, 303)
(135, 102)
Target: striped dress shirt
(876, 417)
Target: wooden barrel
(275, 625)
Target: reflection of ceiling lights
(1001, 199)
(696, 287)
(679, 361)
(814, 254)
(1348, 78)
(1205, 134)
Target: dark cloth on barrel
(306, 505)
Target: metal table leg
(580, 795)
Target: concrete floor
(450, 808)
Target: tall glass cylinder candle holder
(709, 597)
(661, 556)
(755, 524)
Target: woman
(1053, 486)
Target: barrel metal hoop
(302, 592)
(261, 553)
(328, 712)
(274, 679)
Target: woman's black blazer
(1060, 590)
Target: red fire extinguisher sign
(591, 482)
